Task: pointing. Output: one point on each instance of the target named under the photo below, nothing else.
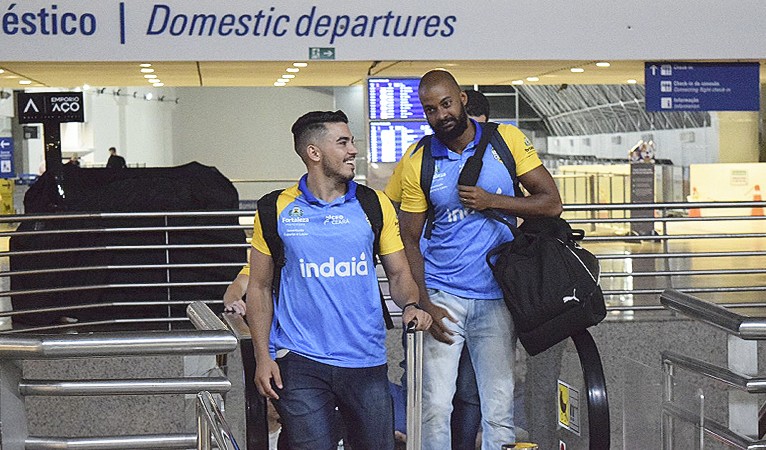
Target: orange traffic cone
(757, 210)
(695, 197)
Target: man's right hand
(264, 373)
(439, 329)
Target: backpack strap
(267, 216)
(501, 147)
(472, 168)
(370, 203)
(427, 168)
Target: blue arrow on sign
(6, 158)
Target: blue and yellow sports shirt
(329, 307)
(455, 256)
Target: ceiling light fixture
(517, 82)
(2, 71)
(602, 64)
(160, 85)
(151, 75)
(279, 83)
(284, 80)
(147, 70)
(85, 87)
(25, 82)
(154, 80)
(300, 64)
(577, 70)
(293, 69)
(632, 81)
(533, 79)
(288, 76)
(145, 65)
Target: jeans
(486, 328)
(311, 391)
(466, 413)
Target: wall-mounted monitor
(389, 140)
(394, 98)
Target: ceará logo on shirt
(335, 219)
(332, 268)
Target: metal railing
(212, 338)
(211, 423)
(749, 328)
(679, 252)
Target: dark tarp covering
(192, 187)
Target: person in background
(321, 344)
(466, 414)
(477, 106)
(233, 298)
(115, 161)
(455, 284)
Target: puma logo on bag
(571, 298)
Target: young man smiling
(321, 343)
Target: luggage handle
(414, 386)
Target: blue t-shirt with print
(329, 308)
(455, 259)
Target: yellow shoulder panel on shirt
(413, 199)
(394, 186)
(285, 198)
(521, 147)
(245, 270)
(390, 239)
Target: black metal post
(53, 164)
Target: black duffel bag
(550, 284)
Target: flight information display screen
(394, 98)
(389, 140)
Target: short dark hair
(308, 125)
(477, 104)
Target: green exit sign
(321, 52)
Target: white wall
(669, 144)
(139, 128)
(244, 132)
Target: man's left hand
(422, 319)
(474, 197)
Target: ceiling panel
(317, 73)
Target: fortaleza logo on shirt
(331, 268)
(296, 216)
(335, 219)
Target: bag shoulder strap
(370, 203)
(267, 216)
(427, 168)
(501, 147)
(472, 168)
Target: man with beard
(455, 284)
(466, 414)
(321, 343)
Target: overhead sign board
(682, 86)
(50, 107)
(6, 158)
(375, 30)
